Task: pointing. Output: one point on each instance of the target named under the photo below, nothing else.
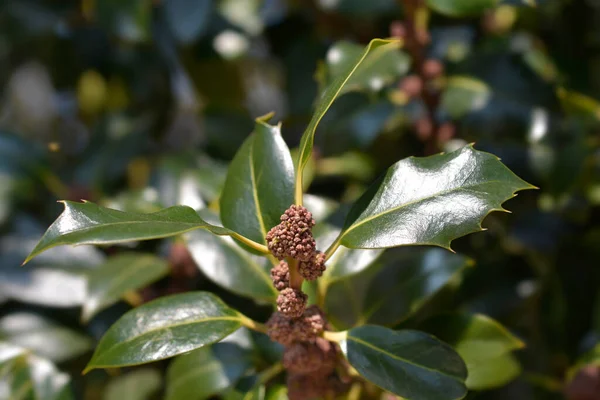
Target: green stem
(270, 373)
(299, 193)
(250, 323)
(251, 243)
(335, 336)
(295, 278)
(333, 247)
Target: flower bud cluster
(310, 360)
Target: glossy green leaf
(43, 336)
(260, 184)
(481, 342)
(407, 363)
(136, 385)
(207, 371)
(228, 265)
(382, 66)
(430, 201)
(394, 287)
(463, 95)
(119, 275)
(461, 8)
(164, 328)
(333, 90)
(88, 223)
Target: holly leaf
(461, 8)
(260, 183)
(346, 69)
(164, 328)
(119, 275)
(430, 200)
(88, 223)
(207, 371)
(408, 363)
(394, 287)
(228, 265)
(483, 343)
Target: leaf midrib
(253, 180)
(131, 339)
(369, 345)
(410, 203)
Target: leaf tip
(265, 118)
(87, 369)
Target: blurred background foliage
(140, 104)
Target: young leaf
(207, 371)
(430, 201)
(382, 66)
(88, 223)
(481, 342)
(120, 274)
(461, 8)
(493, 373)
(164, 328)
(136, 385)
(335, 89)
(43, 336)
(407, 363)
(228, 265)
(260, 184)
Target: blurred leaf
(88, 223)
(259, 185)
(31, 377)
(382, 66)
(187, 19)
(407, 363)
(136, 385)
(207, 371)
(136, 201)
(346, 71)
(493, 373)
(320, 207)
(129, 20)
(164, 328)
(592, 357)
(119, 275)
(443, 197)
(464, 95)
(43, 336)
(461, 8)
(44, 286)
(228, 265)
(482, 343)
(578, 104)
(398, 284)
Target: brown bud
(446, 132)
(304, 329)
(293, 236)
(412, 85)
(397, 30)
(314, 268)
(424, 128)
(432, 68)
(307, 357)
(280, 275)
(291, 302)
